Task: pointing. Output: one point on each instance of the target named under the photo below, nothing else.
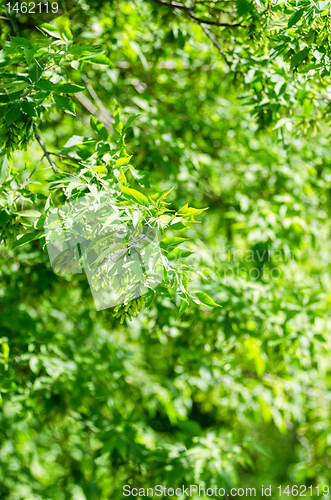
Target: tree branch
(188, 10)
(216, 44)
(46, 153)
(60, 155)
(33, 171)
(104, 118)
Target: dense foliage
(168, 108)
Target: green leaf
(4, 98)
(44, 84)
(100, 59)
(62, 177)
(23, 239)
(64, 104)
(136, 195)
(35, 70)
(21, 42)
(4, 168)
(183, 307)
(12, 113)
(4, 216)
(68, 88)
(99, 128)
(51, 30)
(172, 241)
(186, 210)
(206, 300)
(67, 31)
(295, 18)
(141, 176)
(130, 120)
(75, 140)
(299, 56)
(29, 213)
(243, 7)
(122, 161)
(190, 426)
(28, 108)
(18, 88)
(122, 178)
(28, 54)
(7, 61)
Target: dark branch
(46, 153)
(215, 43)
(188, 10)
(33, 171)
(60, 155)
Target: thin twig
(33, 171)
(216, 44)
(46, 153)
(188, 10)
(65, 156)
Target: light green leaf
(99, 128)
(130, 120)
(4, 168)
(122, 161)
(172, 241)
(136, 195)
(100, 59)
(206, 300)
(51, 30)
(29, 213)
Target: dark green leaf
(28, 54)
(44, 84)
(68, 88)
(25, 238)
(295, 18)
(28, 108)
(12, 113)
(21, 42)
(244, 7)
(299, 56)
(35, 70)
